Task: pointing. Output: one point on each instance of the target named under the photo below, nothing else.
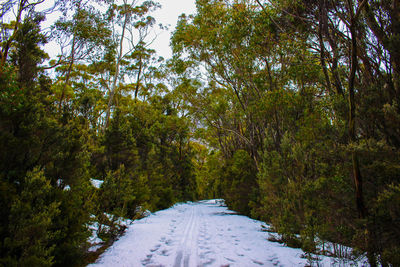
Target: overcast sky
(168, 14)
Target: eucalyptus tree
(12, 14)
(354, 41)
(308, 89)
(82, 34)
(249, 59)
(249, 83)
(131, 25)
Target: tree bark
(68, 75)
(358, 182)
(7, 45)
(116, 74)
(390, 44)
(322, 15)
(138, 78)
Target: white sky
(168, 14)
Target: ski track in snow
(199, 234)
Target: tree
(85, 35)
(30, 223)
(131, 19)
(305, 88)
(23, 8)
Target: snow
(203, 233)
(94, 240)
(96, 183)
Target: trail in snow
(204, 233)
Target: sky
(168, 14)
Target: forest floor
(203, 233)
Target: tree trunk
(115, 78)
(138, 77)
(321, 26)
(352, 133)
(68, 75)
(390, 44)
(7, 45)
(358, 182)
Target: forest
(288, 110)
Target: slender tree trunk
(390, 44)
(115, 78)
(68, 75)
(324, 28)
(358, 182)
(7, 45)
(395, 55)
(138, 77)
(352, 132)
(322, 16)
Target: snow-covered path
(204, 233)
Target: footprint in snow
(169, 242)
(229, 259)
(273, 257)
(257, 262)
(204, 254)
(274, 260)
(164, 252)
(147, 260)
(209, 262)
(155, 248)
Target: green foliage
(208, 171)
(30, 223)
(386, 214)
(118, 195)
(58, 125)
(240, 182)
(27, 53)
(257, 111)
(316, 134)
